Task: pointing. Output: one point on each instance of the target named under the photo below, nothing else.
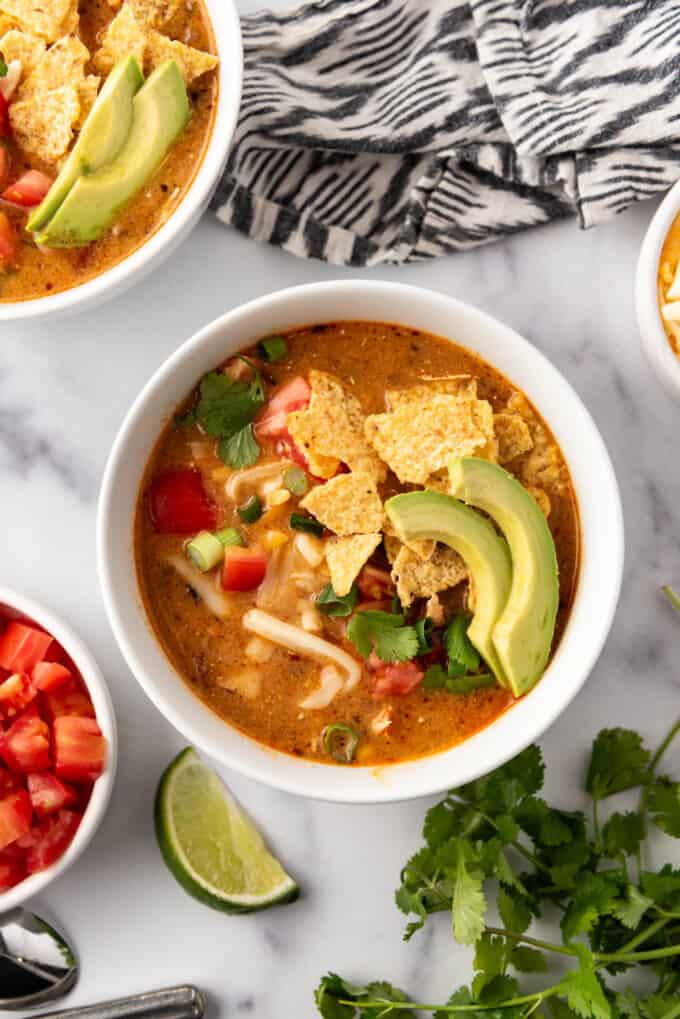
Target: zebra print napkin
(391, 130)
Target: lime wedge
(211, 847)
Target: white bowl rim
(662, 358)
(145, 257)
(106, 719)
(547, 708)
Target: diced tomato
(5, 126)
(69, 698)
(54, 835)
(178, 503)
(15, 817)
(48, 794)
(375, 584)
(397, 679)
(79, 748)
(22, 646)
(25, 746)
(244, 568)
(288, 450)
(9, 241)
(49, 675)
(28, 190)
(15, 694)
(5, 165)
(294, 395)
(12, 869)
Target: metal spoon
(36, 963)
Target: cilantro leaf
(630, 910)
(436, 678)
(663, 801)
(335, 605)
(583, 990)
(618, 761)
(544, 824)
(385, 633)
(464, 997)
(332, 993)
(226, 405)
(468, 904)
(241, 449)
(423, 627)
(622, 834)
(528, 960)
(490, 960)
(462, 657)
(515, 913)
(594, 897)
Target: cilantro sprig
(387, 634)
(226, 410)
(497, 837)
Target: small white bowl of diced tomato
(57, 747)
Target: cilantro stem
(655, 953)
(672, 1013)
(387, 1007)
(673, 598)
(546, 945)
(645, 935)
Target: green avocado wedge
(101, 137)
(440, 517)
(160, 111)
(524, 632)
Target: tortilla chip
(434, 610)
(415, 578)
(45, 129)
(191, 62)
(332, 427)
(63, 64)
(513, 436)
(87, 93)
(155, 13)
(7, 24)
(125, 36)
(418, 438)
(542, 466)
(346, 556)
(47, 18)
(71, 22)
(453, 385)
(348, 504)
(18, 45)
(423, 547)
(542, 498)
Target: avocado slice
(160, 113)
(101, 137)
(434, 515)
(524, 633)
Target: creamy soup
(668, 283)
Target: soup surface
(304, 548)
(669, 285)
(61, 70)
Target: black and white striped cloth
(391, 130)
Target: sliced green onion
(300, 522)
(340, 741)
(229, 536)
(295, 480)
(251, 510)
(205, 550)
(273, 348)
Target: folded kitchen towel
(392, 130)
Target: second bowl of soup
(354, 557)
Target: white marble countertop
(64, 389)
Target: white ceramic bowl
(227, 32)
(19, 605)
(594, 482)
(662, 358)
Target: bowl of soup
(359, 541)
(115, 125)
(657, 292)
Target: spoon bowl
(37, 965)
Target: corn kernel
(274, 539)
(278, 497)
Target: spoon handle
(172, 1003)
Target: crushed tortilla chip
(7, 24)
(50, 19)
(418, 438)
(124, 36)
(423, 547)
(542, 498)
(434, 610)
(45, 129)
(415, 578)
(18, 45)
(62, 64)
(513, 435)
(347, 504)
(155, 13)
(453, 385)
(346, 556)
(87, 93)
(332, 427)
(542, 466)
(191, 62)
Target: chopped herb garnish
(340, 741)
(226, 410)
(437, 678)
(335, 605)
(3, 68)
(205, 550)
(229, 536)
(274, 348)
(241, 450)
(251, 510)
(423, 628)
(300, 522)
(295, 480)
(186, 420)
(385, 633)
(461, 656)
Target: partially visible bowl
(593, 479)
(162, 242)
(662, 358)
(20, 606)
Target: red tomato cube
(69, 698)
(178, 503)
(244, 568)
(79, 748)
(294, 395)
(15, 817)
(15, 694)
(22, 647)
(397, 679)
(53, 837)
(12, 870)
(25, 746)
(48, 794)
(49, 675)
